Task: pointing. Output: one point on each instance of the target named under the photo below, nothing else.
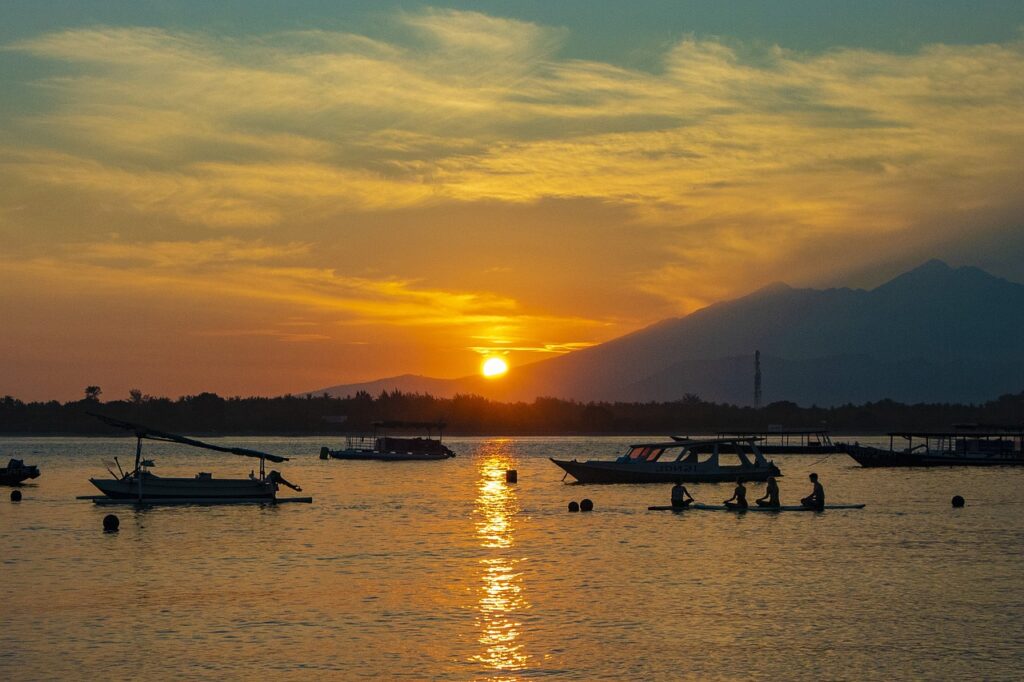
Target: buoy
(325, 453)
(574, 506)
(958, 501)
(110, 523)
(511, 476)
(15, 496)
(586, 505)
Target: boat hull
(872, 457)
(187, 488)
(600, 471)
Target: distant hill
(934, 334)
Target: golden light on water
(501, 589)
(494, 367)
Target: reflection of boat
(140, 485)
(17, 472)
(381, 446)
(784, 508)
(784, 442)
(966, 447)
(676, 461)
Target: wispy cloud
(235, 163)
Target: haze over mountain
(934, 334)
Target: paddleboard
(722, 507)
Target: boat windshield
(643, 453)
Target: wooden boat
(785, 441)
(17, 472)
(754, 508)
(383, 447)
(676, 461)
(142, 486)
(962, 447)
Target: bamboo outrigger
(141, 486)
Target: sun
(494, 367)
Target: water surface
(441, 570)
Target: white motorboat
(689, 461)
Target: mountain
(933, 334)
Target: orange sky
(182, 211)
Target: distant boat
(965, 447)
(681, 460)
(383, 447)
(140, 485)
(17, 472)
(784, 441)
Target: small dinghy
(721, 507)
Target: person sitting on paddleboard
(681, 497)
(771, 494)
(816, 500)
(739, 497)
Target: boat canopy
(152, 434)
(1009, 433)
(689, 443)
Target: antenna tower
(757, 378)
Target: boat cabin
(689, 451)
(965, 441)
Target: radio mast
(757, 378)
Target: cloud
(727, 157)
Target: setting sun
(494, 367)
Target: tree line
(208, 413)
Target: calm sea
(441, 570)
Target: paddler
(739, 497)
(771, 494)
(681, 497)
(816, 500)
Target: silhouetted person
(739, 497)
(771, 494)
(681, 497)
(816, 500)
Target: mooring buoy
(15, 496)
(511, 476)
(958, 501)
(586, 504)
(111, 523)
(574, 506)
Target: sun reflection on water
(501, 592)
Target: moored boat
(944, 448)
(677, 461)
(383, 447)
(17, 472)
(142, 486)
(778, 441)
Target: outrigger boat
(17, 472)
(383, 447)
(141, 486)
(776, 441)
(676, 461)
(944, 448)
(754, 508)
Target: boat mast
(138, 459)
